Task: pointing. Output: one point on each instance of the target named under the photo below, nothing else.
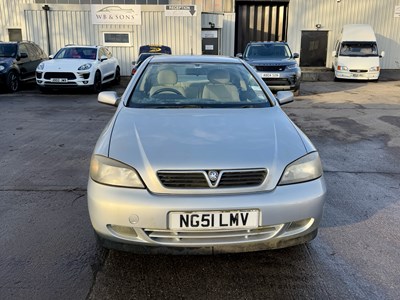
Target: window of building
(14, 35)
(117, 39)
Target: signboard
(397, 11)
(180, 10)
(116, 14)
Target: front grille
(198, 179)
(172, 237)
(50, 75)
(276, 81)
(358, 71)
(270, 68)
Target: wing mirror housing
(296, 55)
(103, 58)
(239, 55)
(382, 54)
(334, 53)
(109, 98)
(284, 97)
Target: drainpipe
(46, 8)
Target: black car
(18, 62)
(146, 51)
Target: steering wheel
(171, 90)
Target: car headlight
(291, 67)
(85, 67)
(342, 68)
(1, 68)
(374, 69)
(40, 66)
(304, 169)
(111, 172)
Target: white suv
(78, 66)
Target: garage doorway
(314, 48)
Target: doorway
(209, 42)
(314, 48)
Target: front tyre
(12, 81)
(97, 85)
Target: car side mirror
(133, 62)
(334, 53)
(239, 55)
(382, 54)
(22, 55)
(284, 97)
(296, 55)
(51, 56)
(109, 98)
(103, 58)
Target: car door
(35, 58)
(24, 61)
(107, 65)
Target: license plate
(59, 80)
(270, 75)
(205, 220)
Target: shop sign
(116, 14)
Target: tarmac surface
(48, 250)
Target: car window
(76, 53)
(206, 85)
(32, 52)
(23, 49)
(359, 49)
(270, 50)
(8, 50)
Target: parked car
(275, 63)
(147, 51)
(78, 66)
(199, 157)
(356, 53)
(18, 62)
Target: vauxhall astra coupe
(200, 158)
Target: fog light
(39, 81)
(85, 82)
(123, 231)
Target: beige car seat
(220, 87)
(166, 79)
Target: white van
(356, 53)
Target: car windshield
(359, 49)
(267, 51)
(76, 53)
(8, 50)
(197, 85)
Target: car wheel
(117, 77)
(97, 86)
(12, 81)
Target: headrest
(218, 76)
(167, 77)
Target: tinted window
(267, 51)
(8, 50)
(76, 53)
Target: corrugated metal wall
(332, 15)
(228, 35)
(9, 16)
(71, 24)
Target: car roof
(193, 59)
(80, 46)
(267, 42)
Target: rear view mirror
(382, 54)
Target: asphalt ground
(48, 250)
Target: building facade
(201, 26)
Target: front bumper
(136, 219)
(357, 76)
(280, 81)
(64, 79)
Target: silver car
(200, 158)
